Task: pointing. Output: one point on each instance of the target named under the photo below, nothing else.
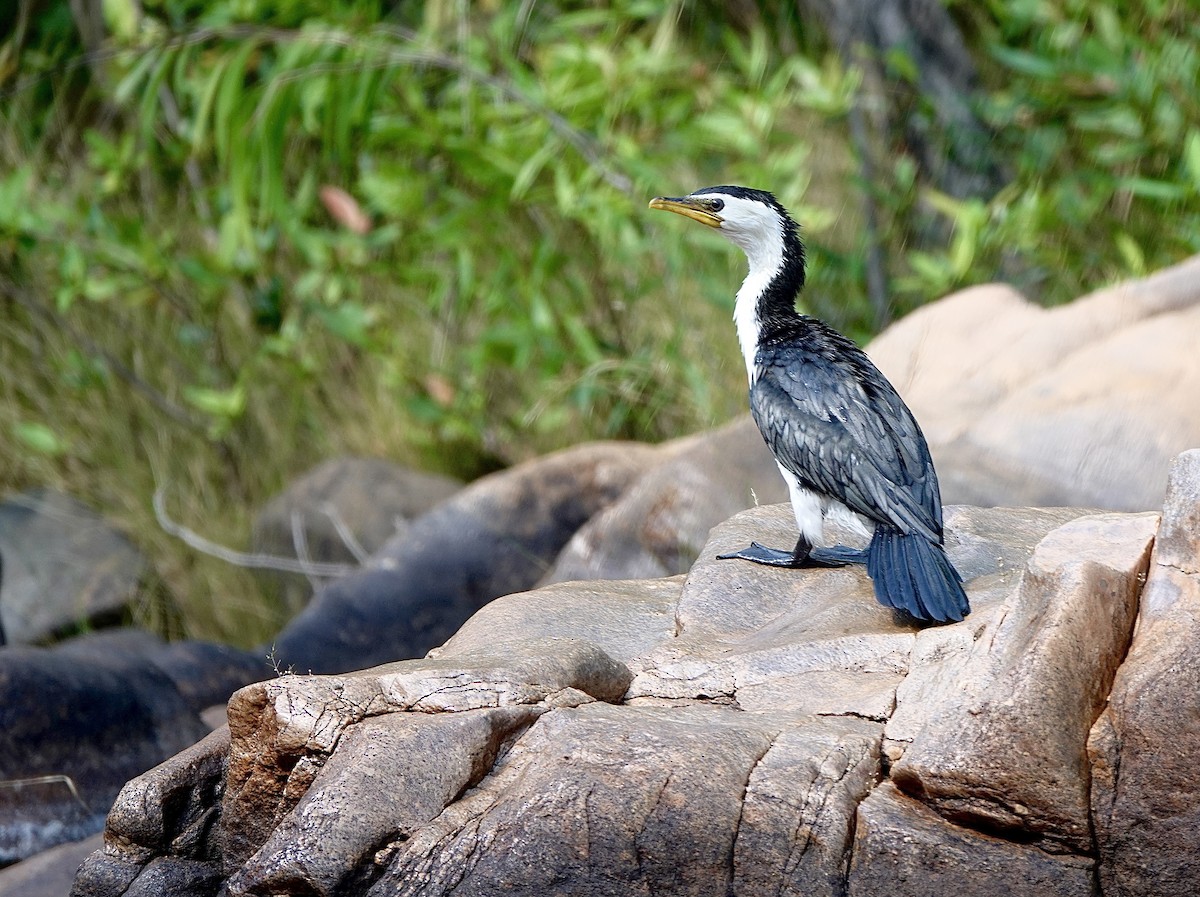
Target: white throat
(766, 259)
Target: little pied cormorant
(845, 442)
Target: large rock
(1083, 404)
(743, 730)
(160, 836)
(1145, 792)
(499, 535)
(63, 566)
(342, 511)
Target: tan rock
(615, 800)
(625, 618)
(732, 732)
(953, 359)
(1084, 404)
(283, 731)
(417, 763)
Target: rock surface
(1084, 404)
(1145, 794)
(662, 520)
(904, 849)
(63, 566)
(741, 730)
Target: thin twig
(300, 543)
(55, 779)
(348, 539)
(241, 558)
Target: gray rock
(661, 522)
(904, 849)
(63, 566)
(1145, 794)
(497, 536)
(159, 834)
(739, 732)
(341, 509)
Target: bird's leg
(803, 555)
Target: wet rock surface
(739, 730)
(80, 719)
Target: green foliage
(188, 302)
(1096, 109)
(488, 285)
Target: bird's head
(751, 219)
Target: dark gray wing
(833, 420)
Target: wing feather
(834, 421)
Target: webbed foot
(760, 554)
(803, 555)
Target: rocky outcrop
(1083, 404)
(1144, 748)
(63, 566)
(741, 730)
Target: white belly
(811, 510)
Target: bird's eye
(717, 204)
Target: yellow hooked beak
(689, 207)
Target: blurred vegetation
(239, 236)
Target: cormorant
(845, 442)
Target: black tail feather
(914, 575)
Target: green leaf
(221, 403)
(349, 321)
(1191, 157)
(1151, 188)
(40, 438)
(1025, 62)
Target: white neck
(765, 259)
